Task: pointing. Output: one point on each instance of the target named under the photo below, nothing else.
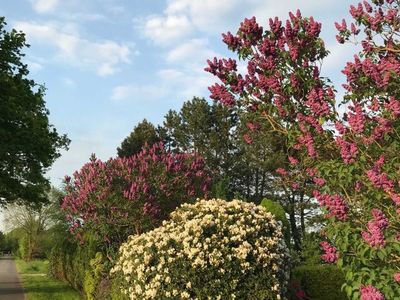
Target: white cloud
(79, 152)
(34, 66)
(104, 57)
(68, 82)
(165, 29)
(135, 92)
(194, 50)
(44, 6)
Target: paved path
(10, 286)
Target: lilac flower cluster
(369, 292)
(330, 253)
(374, 236)
(334, 204)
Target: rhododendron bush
(212, 249)
(352, 159)
(121, 196)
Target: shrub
(209, 250)
(70, 262)
(320, 282)
(125, 196)
(277, 210)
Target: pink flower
(396, 277)
(334, 204)
(247, 138)
(330, 252)
(319, 181)
(301, 294)
(369, 292)
(374, 236)
(281, 171)
(293, 161)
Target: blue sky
(108, 64)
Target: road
(10, 285)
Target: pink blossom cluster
(334, 204)
(369, 292)
(146, 187)
(348, 150)
(382, 181)
(374, 236)
(330, 252)
(356, 118)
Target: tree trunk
(293, 226)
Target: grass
(39, 286)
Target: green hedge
(321, 282)
(85, 269)
(277, 210)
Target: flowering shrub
(209, 250)
(354, 159)
(123, 196)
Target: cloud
(104, 57)
(135, 92)
(164, 30)
(79, 152)
(44, 6)
(34, 66)
(68, 82)
(194, 50)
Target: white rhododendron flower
(213, 249)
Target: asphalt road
(10, 286)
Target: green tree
(209, 130)
(144, 132)
(28, 143)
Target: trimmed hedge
(320, 282)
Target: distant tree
(32, 222)
(28, 143)
(144, 132)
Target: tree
(29, 144)
(352, 161)
(143, 133)
(32, 223)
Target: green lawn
(39, 286)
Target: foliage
(143, 133)
(210, 249)
(93, 276)
(70, 261)
(319, 282)
(310, 254)
(29, 144)
(277, 210)
(113, 199)
(350, 164)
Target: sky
(109, 64)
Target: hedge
(320, 282)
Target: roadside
(39, 286)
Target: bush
(277, 210)
(321, 282)
(125, 196)
(70, 261)
(209, 250)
